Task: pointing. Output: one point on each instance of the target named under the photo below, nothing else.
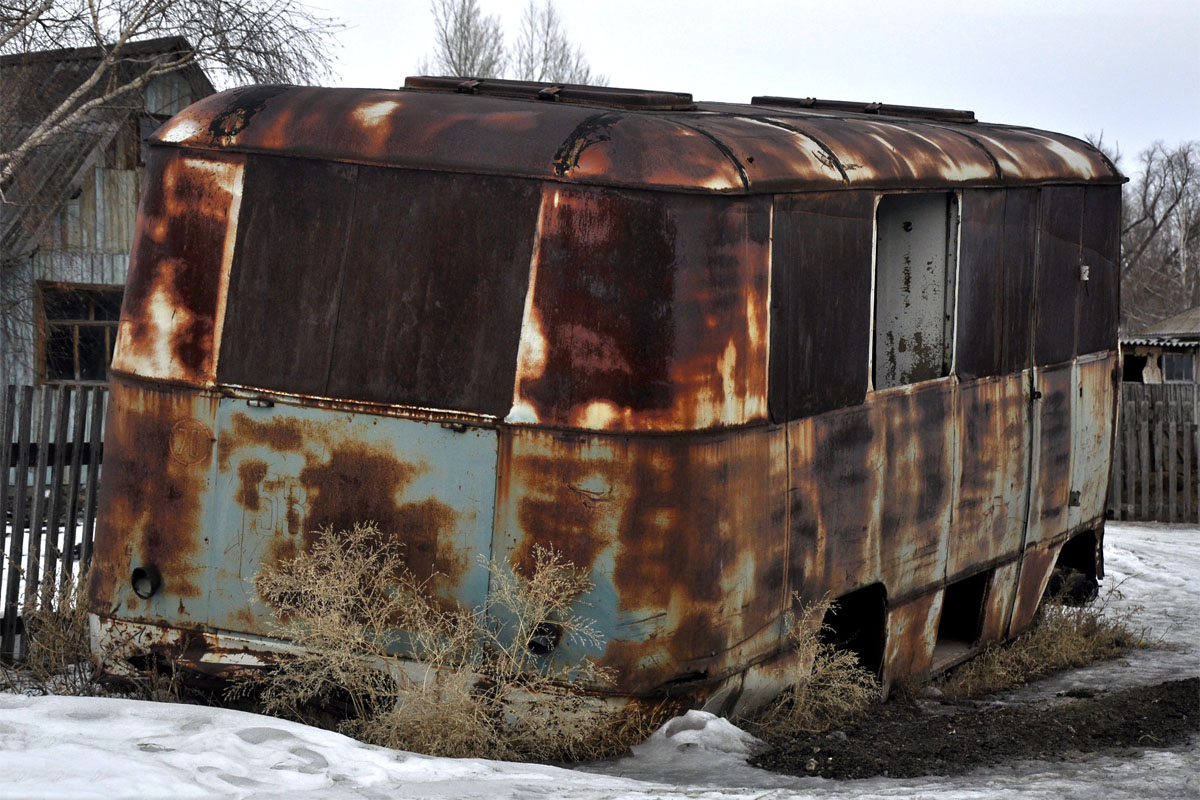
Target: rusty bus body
(719, 355)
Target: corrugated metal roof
(1185, 325)
(586, 137)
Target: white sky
(1127, 68)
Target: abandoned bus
(722, 356)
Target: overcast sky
(1128, 69)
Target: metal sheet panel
(1059, 220)
(682, 536)
(1050, 483)
(285, 285)
(286, 472)
(820, 302)
(996, 281)
(1098, 297)
(989, 516)
(436, 271)
(645, 312)
(1091, 438)
(155, 499)
(872, 490)
(174, 296)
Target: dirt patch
(906, 738)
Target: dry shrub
(826, 684)
(1063, 636)
(59, 658)
(404, 670)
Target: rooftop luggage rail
(633, 99)
(882, 109)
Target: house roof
(633, 138)
(1182, 326)
(34, 84)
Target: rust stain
(250, 474)
(150, 505)
(359, 483)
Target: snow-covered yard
(64, 747)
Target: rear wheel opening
(961, 622)
(858, 622)
(1074, 580)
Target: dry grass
(826, 684)
(1062, 637)
(405, 670)
(59, 658)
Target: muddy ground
(923, 736)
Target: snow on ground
(65, 747)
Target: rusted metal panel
(996, 258)
(433, 322)
(1101, 245)
(835, 463)
(989, 515)
(1050, 482)
(718, 147)
(889, 153)
(431, 312)
(1058, 261)
(820, 302)
(286, 284)
(1092, 427)
(911, 636)
(769, 151)
(683, 537)
(645, 313)
(1002, 589)
(918, 483)
(286, 472)
(1035, 569)
(175, 293)
(155, 501)
(872, 490)
(1032, 155)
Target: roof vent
(882, 109)
(635, 99)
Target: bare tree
(544, 53)
(1160, 236)
(466, 42)
(471, 45)
(234, 41)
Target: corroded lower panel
(155, 501)
(284, 473)
(696, 543)
(683, 536)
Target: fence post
(62, 416)
(72, 522)
(8, 632)
(37, 522)
(1172, 417)
(1144, 470)
(1115, 479)
(95, 444)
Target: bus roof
(633, 138)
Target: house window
(79, 331)
(915, 266)
(1177, 367)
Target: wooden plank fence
(1155, 474)
(51, 448)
